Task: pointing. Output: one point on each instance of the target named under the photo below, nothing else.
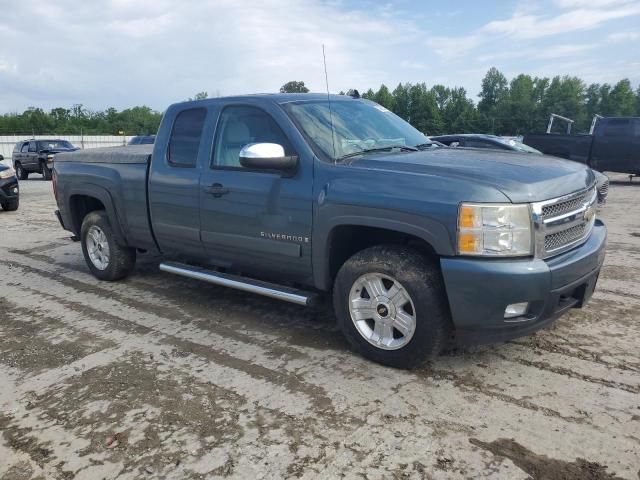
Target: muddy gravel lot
(164, 377)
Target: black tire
(21, 172)
(46, 171)
(421, 279)
(11, 205)
(121, 259)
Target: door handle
(217, 190)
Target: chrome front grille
(564, 222)
(562, 207)
(557, 240)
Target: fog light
(516, 310)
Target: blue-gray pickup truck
(296, 195)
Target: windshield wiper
(388, 148)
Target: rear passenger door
(174, 183)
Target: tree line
(504, 107)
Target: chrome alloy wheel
(382, 311)
(97, 247)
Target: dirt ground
(163, 377)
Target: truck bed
(124, 154)
(115, 175)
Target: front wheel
(11, 205)
(106, 259)
(391, 306)
(46, 171)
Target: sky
(122, 53)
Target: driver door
(255, 221)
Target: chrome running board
(259, 287)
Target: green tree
(384, 97)
(199, 96)
(402, 101)
(294, 86)
(622, 99)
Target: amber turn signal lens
(468, 242)
(467, 217)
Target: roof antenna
(326, 81)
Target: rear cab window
(186, 134)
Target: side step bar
(267, 289)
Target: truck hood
(522, 177)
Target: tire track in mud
(547, 367)
(287, 381)
(187, 311)
(466, 383)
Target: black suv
(36, 156)
(9, 190)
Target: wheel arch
(344, 239)
(84, 201)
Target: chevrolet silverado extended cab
(295, 195)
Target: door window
(185, 137)
(239, 126)
(25, 148)
(32, 147)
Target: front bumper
(9, 188)
(479, 290)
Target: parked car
(477, 140)
(9, 188)
(414, 242)
(613, 145)
(142, 140)
(36, 156)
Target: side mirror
(1, 157)
(267, 156)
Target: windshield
(54, 145)
(521, 147)
(359, 125)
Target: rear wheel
(46, 171)
(11, 205)
(21, 172)
(391, 306)
(105, 258)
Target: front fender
(422, 227)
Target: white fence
(8, 142)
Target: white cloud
(623, 37)
(455, 47)
(590, 3)
(130, 52)
(537, 26)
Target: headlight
(7, 173)
(494, 230)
